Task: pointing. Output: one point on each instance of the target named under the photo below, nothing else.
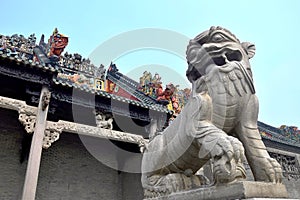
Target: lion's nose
(225, 58)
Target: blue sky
(273, 26)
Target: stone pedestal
(237, 190)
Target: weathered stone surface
(223, 105)
(172, 158)
(237, 190)
(220, 64)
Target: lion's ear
(249, 48)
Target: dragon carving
(218, 124)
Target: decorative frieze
(54, 129)
(27, 116)
(17, 105)
(104, 120)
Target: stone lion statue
(218, 124)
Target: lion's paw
(267, 170)
(227, 159)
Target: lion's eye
(217, 38)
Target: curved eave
(53, 70)
(158, 108)
(276, 137)
(291, 143)
(26, 62)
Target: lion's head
(217, 48)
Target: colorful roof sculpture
(128, 85)
(279, 134)
(172, 96)
(291, 132)
(71, 70)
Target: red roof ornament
(57, 43)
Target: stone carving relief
(52, 133)
(27, 114)
(104, 120)
(223, 107)
(28, 122)
(17, 105)
(172, 158)
(45, 100)
(54, 129)
(290, 165)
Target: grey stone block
(238, 190)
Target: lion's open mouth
(232, 55)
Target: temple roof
(20, 50)
(279, 135)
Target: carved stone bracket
(28, 121)
(52, 133)
(27, 114)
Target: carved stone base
(269, 199)
(238, 190)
